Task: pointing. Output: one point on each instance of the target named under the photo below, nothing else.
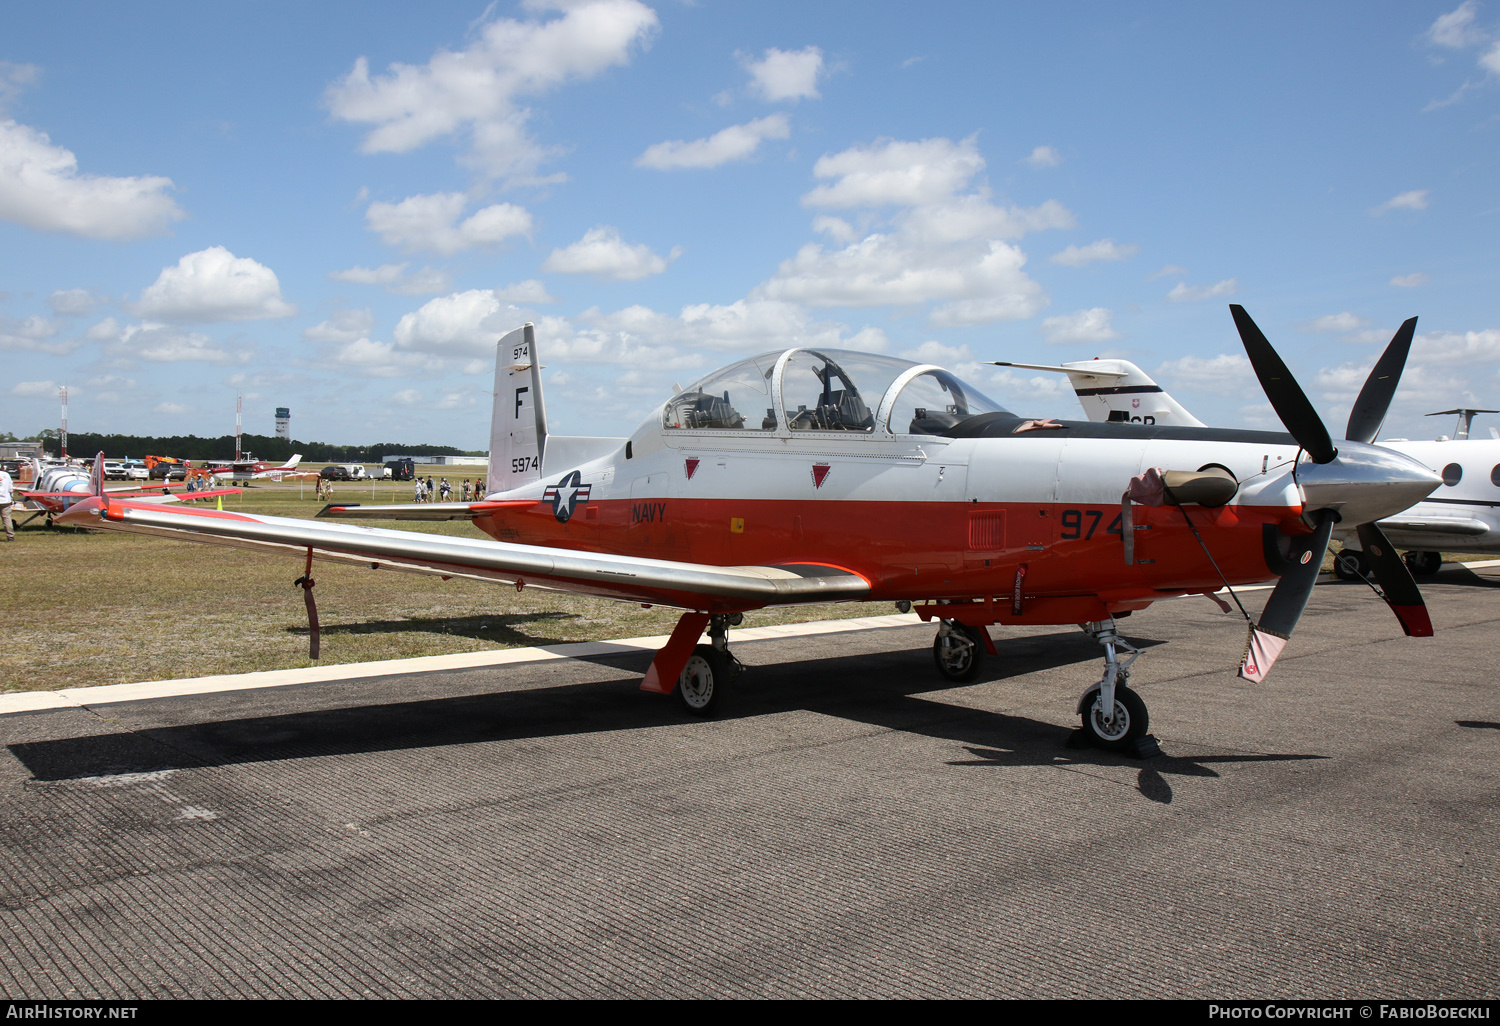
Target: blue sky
(339, 207)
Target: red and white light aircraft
(811, 474)
(251, 469)
(59, 488)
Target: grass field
(88, 608)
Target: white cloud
(385, 274)
(441, 399)
(1339, 322)
(895, 172)
(464, 323)
(214, 285)
(476, 91)
(1490, 60)
(392, 277)
(34, 389)
(1103, 251)
(40, 187)
(382, 359)
(1183, 292)
(14, 78)
(431, 223)
(1169, 271)
(105, 331)
(161, 343)
(528, 291)
(1410, 281)
(33, 335)
(737, 142)
(1091, 325)
(173, 409)
(602, 253)
(786, 74)
(343, 326)
(1227, 374)
(1415, 199)
(944, 243)
(1044, 156)
(1456, 29)
(72, 302)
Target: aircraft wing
(1434, 525)
(419, 510)
(686, 585)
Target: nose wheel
(1119, 732)
(1351, 565)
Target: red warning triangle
(691, 466)
(820, 473)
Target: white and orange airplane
(248, 468)
(813, 474)
(59, 488)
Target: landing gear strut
(1114, 717)
(706, 681)
(958, 651)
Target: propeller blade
(1288, 599)
(1400, 590)
(1287, 397)
(1375, 398)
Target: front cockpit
(827, 390)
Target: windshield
(934, 401)
(735, 398)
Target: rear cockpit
(827, 390)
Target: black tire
(704, 685)
(955, 660)
(1350, 565)
(1131, 720)
(1424, 563)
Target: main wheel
(1130, 719)
(1350, 565)
(705, 682)
(1424, 562)
(959, 656)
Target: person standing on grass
(468, 492)
(7, 499)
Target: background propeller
(1292, 592)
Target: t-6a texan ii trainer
(815, 474)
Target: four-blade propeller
(1291, 594)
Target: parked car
(343, 472)
(114, 470)
(135, 470)
(169, 472)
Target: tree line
(265, 447)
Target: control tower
(284, 422)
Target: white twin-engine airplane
(813, 474)
(1462, 515)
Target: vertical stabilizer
(518, 425)
(1117, 391)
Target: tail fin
(1118, 391)
(96, 478)
(518, 424)
(291, 464)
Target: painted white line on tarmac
(75, 698)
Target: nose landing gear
(1114, 717)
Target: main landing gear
(958, 651)
(706, 681)
(1114, 717)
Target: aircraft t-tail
(815, 474)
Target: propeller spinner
(1357, 483)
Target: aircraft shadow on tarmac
(886, 690)
(497, 628)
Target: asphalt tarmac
(851, 828)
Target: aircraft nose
(1365, 483)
